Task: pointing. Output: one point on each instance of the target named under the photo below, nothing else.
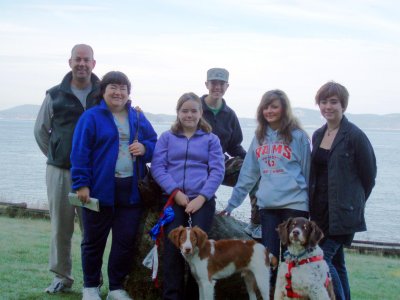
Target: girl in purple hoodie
(187, 158)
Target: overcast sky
(166, 47)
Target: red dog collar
(294, 263)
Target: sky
(166, 47)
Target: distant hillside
(312, 118)
(27, 111)
(308, 117)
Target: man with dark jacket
(221, 117)
(225, 125)
(54, 127)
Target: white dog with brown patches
(211, 260)
(305, 273)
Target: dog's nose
(187, 250)
(296, 232)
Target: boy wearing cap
(221, 117)
(225, 125)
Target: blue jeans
(270, 219)
(334, 256)
(174, 264)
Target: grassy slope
(24, 254)
(24, 275)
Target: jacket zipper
(184, 166)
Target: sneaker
(118, 295)
(58, 285)
(249, 228)
(256, 234)
(92, 293)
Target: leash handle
(190, 220)
(169, 203)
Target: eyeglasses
(118, 87)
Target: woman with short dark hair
(103, 159)
(342, 175)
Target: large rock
(140, 285)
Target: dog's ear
(283, 231)
(316, 234)
(201, 236)
(175, 235)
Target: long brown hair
(288, 121)
(203, 124)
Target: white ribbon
(151, 261)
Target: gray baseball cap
(218, 74)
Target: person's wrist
(203, 197)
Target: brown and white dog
(305, 273)
(211, 260)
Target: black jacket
(351, 177)
(226, 126)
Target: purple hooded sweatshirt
(194, 165)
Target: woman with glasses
(104, 167)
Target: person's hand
(224, 213)
(137, 107)
(83, 194)
(195, 204)
(181, 199)
(137, 149)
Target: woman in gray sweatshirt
(280, 154)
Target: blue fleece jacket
(194, 165)
(95, 151)
(284, 171)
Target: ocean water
(22, 176)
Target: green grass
(373, 277)
(24, 255)
(24, 273)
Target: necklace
(329, 131)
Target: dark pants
(174, 264)
(334, 256)
(123, 219)
(270, 219)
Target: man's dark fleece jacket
(226, 126)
